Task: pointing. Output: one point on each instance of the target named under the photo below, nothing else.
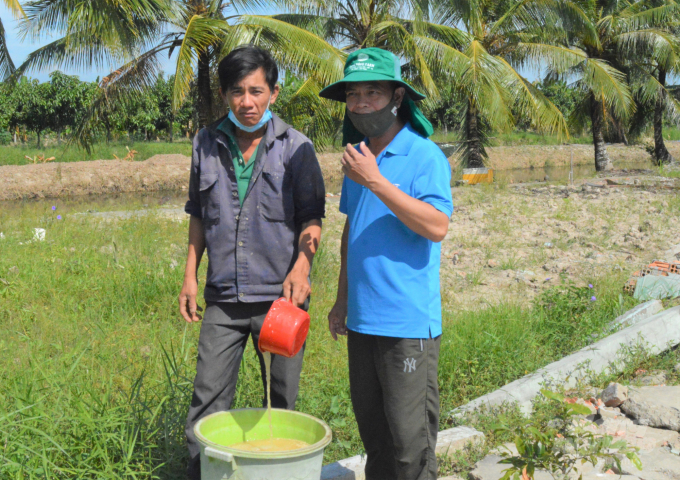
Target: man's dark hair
(244, 60)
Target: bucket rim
(321, 444)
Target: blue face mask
(263, 121)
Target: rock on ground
(654, 406)
(614, 395)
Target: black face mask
(376, 123)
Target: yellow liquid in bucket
(270, 445)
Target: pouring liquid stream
(268, 370)
(270, 444)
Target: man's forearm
(196, 247)
(421, 217)
(308, 245)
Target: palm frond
(6, 63)
(14, 6)
(201, 33)
(294, 48)
(531, 102)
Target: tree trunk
(204, 91)
(38, 132)
(108, 135)
(474, 147)
(661, 153)
(170, 132)
(59, 136)
(602, 161)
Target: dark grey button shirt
(252, 248)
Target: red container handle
(284, 330)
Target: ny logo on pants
(410, 364)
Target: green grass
(16, 155)
(516, 138)
(96, 365)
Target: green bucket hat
(370, 65)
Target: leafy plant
(562, 446)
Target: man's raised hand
(361, 166)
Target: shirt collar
(401, 144)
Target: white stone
(656, 334)
(39, 234)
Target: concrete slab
(448, 441)
(654, 406)
(641, 436)
(637, 314)
(656, 333)
(452, 439)
(351, 468)
(658, 464)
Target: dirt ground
(171, 172)
(511, 243)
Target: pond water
(99, 203)
(176, 199)
(559, 174)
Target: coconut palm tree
(6, 64)
(627, 31)
(656, 56)
(435, 48)
(136, 34)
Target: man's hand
(337, 319)
(187, 301)
(361, 166)
(296, 286)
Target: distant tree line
(62, 105)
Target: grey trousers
(223, 337)
(395, 396)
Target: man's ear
(275, 94)
(399, 95)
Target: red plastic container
(284, 329)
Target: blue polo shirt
(392, 272)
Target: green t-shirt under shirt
(242, 170)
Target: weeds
(96, 365)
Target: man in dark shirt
(256, 200)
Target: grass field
(96, 366)
(16, 155)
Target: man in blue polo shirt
(397, 198)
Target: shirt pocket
(210, 199)
(276, 204)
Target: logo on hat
(362, 57)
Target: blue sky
(19, 51)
